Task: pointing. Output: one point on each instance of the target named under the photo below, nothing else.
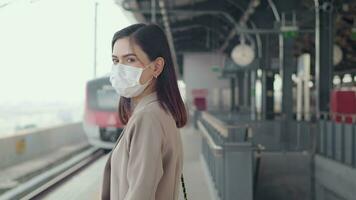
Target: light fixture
(243, 54)
(337, 55)
(347, 78)
(336, 80)
(294, 78)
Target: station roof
(216, 25)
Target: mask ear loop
(153, 76)
(148, 67)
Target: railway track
(43, 184)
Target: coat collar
(144, 101)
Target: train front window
(107, 99)
(101, 96)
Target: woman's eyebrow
(129, 54)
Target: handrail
(216, 149)
(221, 126)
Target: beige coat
(147, 162)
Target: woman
(147, 161)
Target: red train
(101, 122)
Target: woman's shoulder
(151, 110)
(152, 115)
(146, 120)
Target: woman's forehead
(123, 47)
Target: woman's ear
(158, 66)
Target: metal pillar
(241, 88)
(247, 89)
(253, 95)
(288, 62)
(95, 35)
(267, 82)
(267, 94)
(153, 11)
(324, 40)
(232, 93)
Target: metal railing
(337, 137)
(229, 155)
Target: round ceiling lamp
(243, 54)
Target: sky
(47, 48)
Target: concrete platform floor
(86, 185)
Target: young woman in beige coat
(146, 162)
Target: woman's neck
(146, 92)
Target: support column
(247, 89)
(324, 41)
(232, 94)
(267, 94)
(267, 82)
(253, 95)
(288, 62)
(240, 77)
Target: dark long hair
(153, 41)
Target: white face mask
(125, 80)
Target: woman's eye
(130, 60)
(114, 61)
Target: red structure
(343, 104)
(199, 98)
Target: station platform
(285, 169)
(86, 184)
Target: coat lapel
(105, 190)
